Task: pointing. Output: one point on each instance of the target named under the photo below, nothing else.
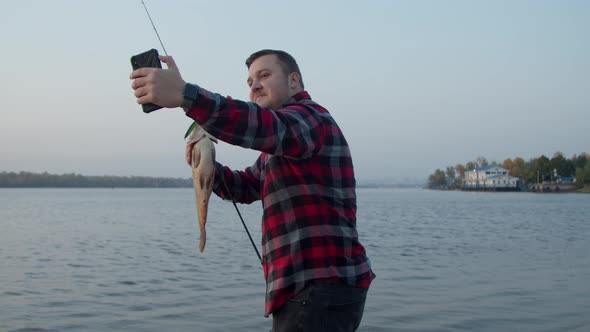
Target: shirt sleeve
(244, 186)
(293, 131)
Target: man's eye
(265, 75)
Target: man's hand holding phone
(153, 85)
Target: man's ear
(294, 81)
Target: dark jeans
(322, 306)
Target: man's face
(269, 86)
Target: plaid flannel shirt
(305, 179)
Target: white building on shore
(492, 177)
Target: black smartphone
(147, 59)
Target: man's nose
(255, 86)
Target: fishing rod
(154, 26)
(192, 126)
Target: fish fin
(191, 129)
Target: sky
(414, 85)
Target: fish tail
(202, 212)
(203, 239)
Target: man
(317, 273)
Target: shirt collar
(297, 97)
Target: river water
(128, 260)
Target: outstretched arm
(244, 186)
(295, 131)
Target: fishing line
(222, 179)
(240, 215)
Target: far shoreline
(583, 190)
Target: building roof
(485, 168)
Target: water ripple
(127, 260)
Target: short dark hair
(286, 60)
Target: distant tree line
(534, 170)
(72, 180)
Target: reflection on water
(127, 259)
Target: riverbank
(531, 189)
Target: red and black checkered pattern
(305, 179)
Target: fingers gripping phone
(147, 59)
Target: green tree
(583, 175)
(520, 167)
(450, 173)
(542, 167)
(451, 178)
(509, 165)
(470, 166)
(562, 165)
(516, 167)
(580, 160)
(460, 169)
(437, 180)
(481, 161)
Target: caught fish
(200, 155)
